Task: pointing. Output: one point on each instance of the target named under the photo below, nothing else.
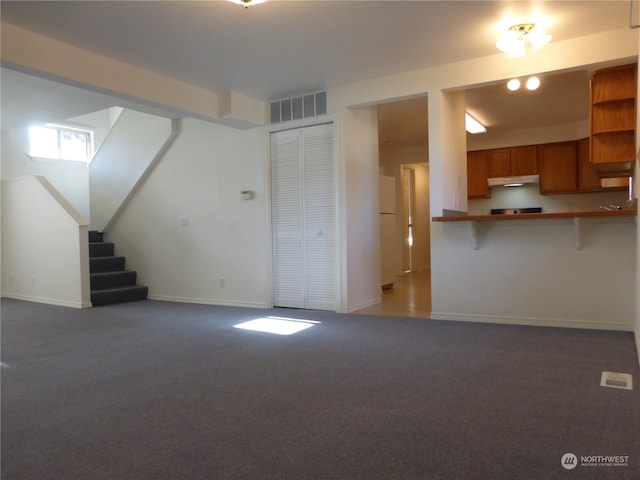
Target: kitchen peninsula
(576, 216)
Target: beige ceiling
(285, 48)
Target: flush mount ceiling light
(247, 3)
(532, 83)
(513, 84)
(472, 125)
(514, 41)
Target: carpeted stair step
(103, 280)
(109, 281)
(106, 264)
(101, 249)
(109, 296)
(95, 236)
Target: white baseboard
(48, 301)
(208, 301)
(532, 321)
(359, 306)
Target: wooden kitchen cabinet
(506, 162)
(613, 120)
(558, 164)
(588, 179)
(498, 162)
(524, 160)
(477, 186)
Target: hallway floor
(409, 297)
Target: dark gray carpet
(155, 390)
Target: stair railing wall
(45, 255)
(135, 144)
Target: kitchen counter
(536, 216)
(576, 216)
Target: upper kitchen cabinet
(477, 185)
(558, 164)
(588, 179)
(613, 120)
(506, 162)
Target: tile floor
(409, 297)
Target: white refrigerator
(388, 231)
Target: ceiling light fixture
(472, 125)
(532, 83)
(247, 3)
(513, 84)
(514, 40)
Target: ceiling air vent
(296, 108)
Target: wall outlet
(222, 282)
(184, 221)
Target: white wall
(200, 179)
(422, 224)
(531, 272)
(45, 251)
(133, 146)
(360, 224)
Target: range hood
(514, 181)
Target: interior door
(303, 185)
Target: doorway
(403, 154)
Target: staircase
(110, 282)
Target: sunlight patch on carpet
(277, 325)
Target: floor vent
(296, 108)
(616, 380)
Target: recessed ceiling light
(532, 83)
(513, 84)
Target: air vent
(296, 108)
(616, 380)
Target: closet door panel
(303, 184)
(286, 217)
(319, 217)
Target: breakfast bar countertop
(533, 216)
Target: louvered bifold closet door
(286, 219)
(319, 216)
(304, 218)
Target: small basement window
(60, 142)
